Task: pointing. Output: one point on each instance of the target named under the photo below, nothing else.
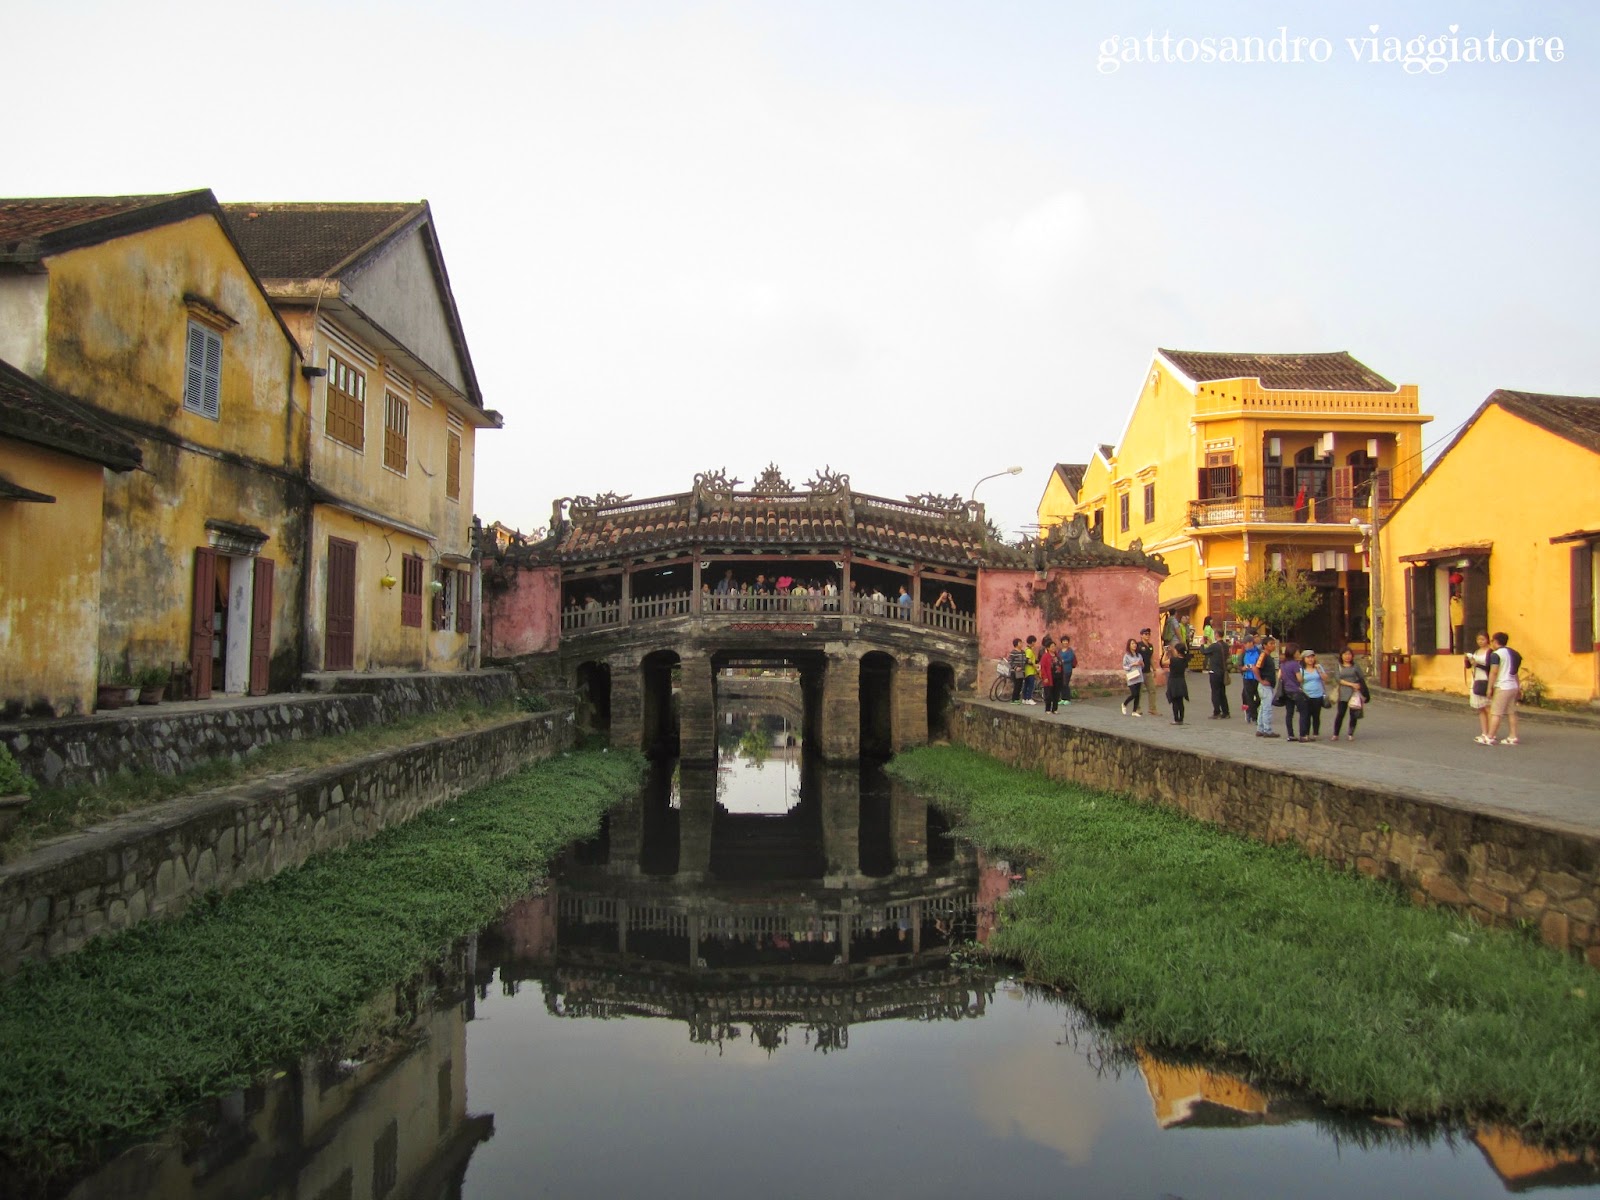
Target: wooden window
(347, 403)
(396, 431)
(452, 467)
(1583, 639)
(463, 602)
(1219, 478)
(1123, 505)
(202, 377)
(1149, 503)
(411, 591)
(1422, 610)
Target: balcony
(1275, 510)
(719, 609)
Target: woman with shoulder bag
(1476, 666)
(1353, 694)
(1133, 672)
(1313, 696)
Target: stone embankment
(173, 738)
(156, 862)
(1500, 869)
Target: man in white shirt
(1504, 688)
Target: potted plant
(152, 683)
(116, 687)
(15, 789)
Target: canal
(760, 979)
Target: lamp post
(1008, 471)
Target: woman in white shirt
(1476, 667)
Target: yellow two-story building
(394, 411)
(1232, 465)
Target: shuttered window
(411, 591)
(202, 379)
(1123, 505)
(347, 403)
(463, 602)
(1583, 639)
(452, 468)
(1149, 503)
(396, 430)
(1423, 610)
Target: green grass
(55, 811)
(1183, 937)
(123, 1038)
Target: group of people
(1042, 666)
(1494, 679)
(1291, 678)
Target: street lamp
(1008, 471)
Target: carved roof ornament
(716, 483)
(772, 483)
(599, 500)
(828, 482)
(951, 506)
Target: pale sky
(916, 241)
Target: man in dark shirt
(1216, 656)
(1147, 652)
(1266, 678)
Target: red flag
(1300, 500)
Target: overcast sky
(916, 241)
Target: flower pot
(152, 694)
(109, 696)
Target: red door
(340, 652)
(261, 628)
(200, 637)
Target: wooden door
(1220, 597)
(339, 652)
(261, 627)
(200, 635)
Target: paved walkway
(1553, 777)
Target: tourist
(1177, 662)
(1069, 663)
(1250, 692)
(1216, 656)
(905, 603)
(1505, 688)
(946, 602)
(1313, 696)
(1050, 674)
(1476, 667)
(1133, 672)
(1018, 662)
(1147, 651)
(1208, 633)
(1268, 693)
(1353, 694)
(1030, 678)
(1289, 675)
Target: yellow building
(141, 308)
(1235, 464)
(1500, 535)
(1060, 499)
(54, 455)
(394, 410)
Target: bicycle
(1000, 689)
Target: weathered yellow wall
(1057, 504)
(382, 643)
(117, 339)
(49, 581)
(1517, 486)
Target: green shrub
(13, 780)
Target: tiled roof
(1576, 418)
(1329, 372)
(32, 412)
(31, 226)
(1072, 476)
(1107, 450)
(313, 241)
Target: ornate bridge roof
(773, 516)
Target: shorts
(1504, 698)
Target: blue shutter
(194, 371)
(212, 404)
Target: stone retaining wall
(1497, 869)
(169, 740)
(156, 862)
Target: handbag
(1357, 701)
(1480, 687)
(1327, 702)
(1134, 674)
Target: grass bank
(54, 811)
(1184, 937)
(121, 1039)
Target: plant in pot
(15, 789)
(152, 683)
(116, 687)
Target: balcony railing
(742, 607)
(1275, 510)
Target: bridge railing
(949, 619)
(716, 604)
(642, 609)
(654, 608)
(591, 616)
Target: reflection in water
(646, 1038)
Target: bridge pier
(697, 709)
(697, 811)
(627, 701)
(838, 735)
(841, 824)
(910, 701)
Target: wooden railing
(653, 608)
(741, 602)
(1275, 510)
(591, 616)
(742, 606)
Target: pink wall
(1099, 608)
(525, 617)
